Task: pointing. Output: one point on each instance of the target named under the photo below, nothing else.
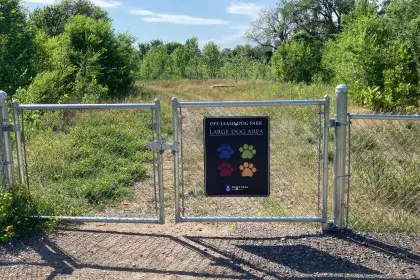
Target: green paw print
(247, 151)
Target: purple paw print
(225, 151)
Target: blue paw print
(225, 151)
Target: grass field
(83, 160)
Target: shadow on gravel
(306, 259)
(209, 257)
(392, 250)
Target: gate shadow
(239, 259)
(392, 250)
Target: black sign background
(226, 141)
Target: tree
(143, 49)
(273, 26)
(211, 58)
(16, 47)
(52, 19)
(316, 19)
(194, 66)
(155, 64)
(172, 46)
(181, 59)
(295, 61)
(377, 54)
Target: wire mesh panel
(296, 165)
(384, 187)
(91, 163)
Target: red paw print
(225, 169)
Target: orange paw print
(247, 169)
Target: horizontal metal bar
(384, 117)
(251, 219)
(252, 103)
(82, 106)
(101, 219)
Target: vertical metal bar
(181, 177)
(176, 156)
(348, 172)
(25, 154)
(319, 159)
(160, 162)
(154, 163)
(18, 142)
(6, 140)
(325, 163)
(340, 154)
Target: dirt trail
(206, 250)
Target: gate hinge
(8, 127)
(334, 123)
(159, 146)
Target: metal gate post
(5, 134)
(18, 142)
(160, 161)
(176, 157)
(340, 154)
(325, 175)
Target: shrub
(296, 61)
(17, 215)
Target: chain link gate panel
(91, 162)
(383, 194)
(298, 166)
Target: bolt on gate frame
(155, 146)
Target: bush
(296, 61)
(17, 215)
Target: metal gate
(298, 169)
(109, 176)
(384, 162)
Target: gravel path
(206, 251)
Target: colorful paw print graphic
(225, 169)
(247, 169)
(225, 151)
(247, 151)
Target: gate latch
(8, 127)
(159, 146)
(334, 123)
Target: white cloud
(100, 3)
(228, 41)
(249, 9)
(176, 19)
(106, 3)
(142, 12)
(44, 2)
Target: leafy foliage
(69, 53)
(296, 61)
(16, 215)
(378, 55)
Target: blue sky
(222, 21)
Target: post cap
(341, 89)
(3, 95)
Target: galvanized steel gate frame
(177, 106)
(156, 146)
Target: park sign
(236, 156)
